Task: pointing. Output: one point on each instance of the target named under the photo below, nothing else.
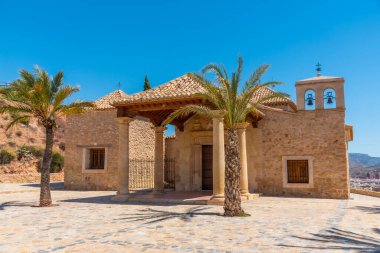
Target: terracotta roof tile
(106, 101)
(185, 87)
(181, 87)
(263, 92)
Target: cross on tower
(318, 69)
(118, 85)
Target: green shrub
(57, 162)
(36, 151)
(6, 156)
(23, 153)
(11, 144)
(18, 133)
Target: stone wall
(98, 128)
(318, 133)
(186, 148)
(366, 192)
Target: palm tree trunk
(232, 200)
(45, 197)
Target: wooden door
(207, 167)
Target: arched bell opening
(329, 99)
(310, 100)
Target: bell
(309, 99)
(329, 98)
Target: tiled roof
(263, 92)
(106, 101)
(184, 87)
(320, 78)
(181, 87)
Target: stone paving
(90, 222)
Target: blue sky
(100, 43)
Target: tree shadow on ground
(341, 240)
(107, 199)
(14, 203)
(154, 216)
(53, 185)
(369, 209)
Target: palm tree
(36, 95)
(235, 103)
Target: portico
(192, 134)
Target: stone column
(123, 159)
(319, 99)
(218, 162)
(241, 128)
(159, 159)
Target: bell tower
(320, 92)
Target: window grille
(298, 171)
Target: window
(97, 158)
(94, 159)
(298, 171)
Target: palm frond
(269, 97)
(36, 94)
(190, 109)
(63, 93)
(256, 76)
(223, 92)
(57, 81)
(16, 121)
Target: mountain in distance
(363, 160)
(362, 164)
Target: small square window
(96, 158)
(298, 171)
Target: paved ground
(89, 222)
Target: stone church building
(287, 149)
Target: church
(288, 149)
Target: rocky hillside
(361, 164)
(27, 133)
(21, 147)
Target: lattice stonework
(141, 174)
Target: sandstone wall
(187, 152)
(319, 134)
(97, 128)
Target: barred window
(97, 158)
(298, 171)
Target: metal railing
(141, 174)
(169, 173)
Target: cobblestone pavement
(90, 222)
